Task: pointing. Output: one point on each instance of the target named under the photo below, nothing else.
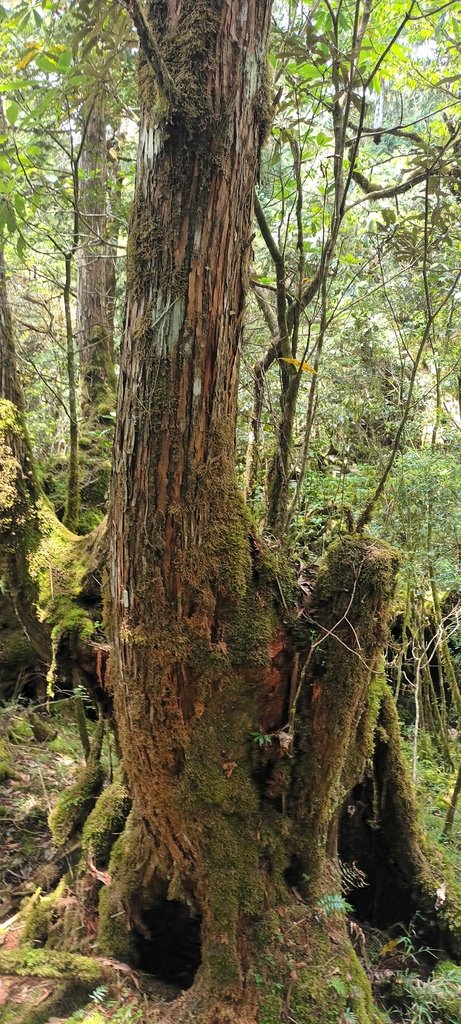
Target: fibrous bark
(239, 745)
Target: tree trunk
(95, 285)
(93, 329)
(238, 744)
(19, 531)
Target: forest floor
(29, 860)
(408, 981)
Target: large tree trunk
(240, 739)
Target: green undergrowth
(434, 786)
(435, 1001)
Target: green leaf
(46, 64)
(12, 111)
(65, 60)
(10, 219)
(3, 213)
(19, 205)
(21, 247)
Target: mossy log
(48, 963)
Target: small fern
(333, 903)
(99, 995)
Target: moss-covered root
(76, 803)
(37, 915)
(352, 598)
(7, 770)
(429, 874)
(106, 822)
(126, 871)
(28, 962)
(308, 972)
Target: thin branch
(279, 265)
(151, 49)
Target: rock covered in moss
(106, 822)
(20, 730)
(42, 730)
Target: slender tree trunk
(73, 475)
(95, 298)
(93, 326)
(280, 469)
(254, 434)
(453, 804)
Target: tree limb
(279, 265)
(151, 49)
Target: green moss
(42, 730)
(106, 822)
(125, 868)
(20, 730)
(115, 938)
(309, 965)
(16, 653)
(48, 963)
(37, 916)
(59, 566)
(18, 485)
(7, 770)
(250, 629)
(352, 600)
(76, 802)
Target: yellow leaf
(306, 367)
(29, 55)
(389, 947)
